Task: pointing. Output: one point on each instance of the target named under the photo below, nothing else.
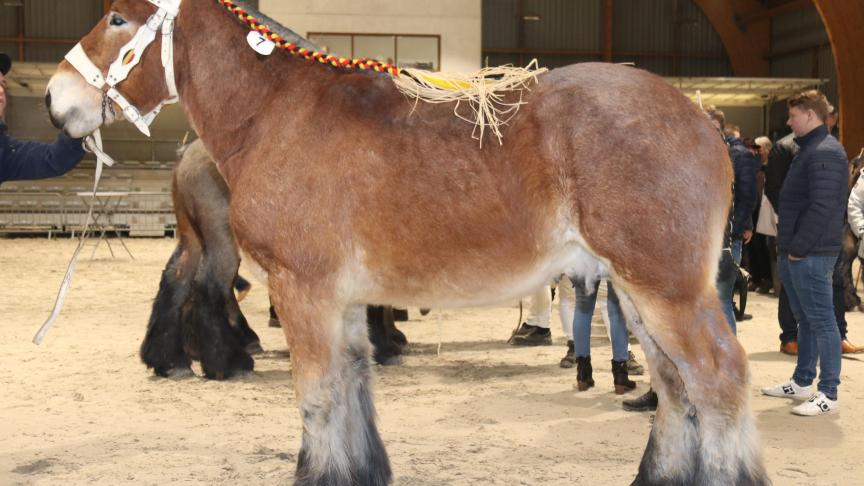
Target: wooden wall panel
(843, 20)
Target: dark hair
(811, 100)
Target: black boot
(645, 403)
(623, 384)
(584, 380)
(529, 335)
(569, 359)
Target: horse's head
(117, 65)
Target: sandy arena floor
(81, 409)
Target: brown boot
(584, 378)
(623, 384)
(849, 348)
(790, 348)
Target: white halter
(123, 65)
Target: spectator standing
(22, 160)
(812, 207)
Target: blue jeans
(737, 247)
(808, 284)
(582, 322)
(726, 288)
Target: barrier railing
(35, 212)
(131, 213)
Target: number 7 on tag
(259, 43)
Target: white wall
(456, 21)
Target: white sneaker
(790, 389)
(818, 404)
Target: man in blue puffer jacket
(812, 207)
(32, 160)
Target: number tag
(260, 44)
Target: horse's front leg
(162, 348)
(332, 379)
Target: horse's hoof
(274, 322)
(391, 361)
(423, 312)
(177, 373)
(254, 347)
(400, 315)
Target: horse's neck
(223, 85)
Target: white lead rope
(92, 143)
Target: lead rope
(92, 143)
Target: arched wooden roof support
(746, 43)
(843, 20)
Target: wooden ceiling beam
(842, 21)
(745, 48)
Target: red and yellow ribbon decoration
(335, 61)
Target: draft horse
(604, 170)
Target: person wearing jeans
(586, 299)
(808, 284)
(812, 208)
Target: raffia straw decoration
(483, 91)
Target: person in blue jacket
(809, 233)
(20, 160)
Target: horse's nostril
(48, 100)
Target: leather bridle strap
(129, 57)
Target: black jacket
(813, 198)
(35, 160)
(779, 161)
(745, 165)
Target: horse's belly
(475, 279)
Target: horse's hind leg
(162, 348)
(332, 378)
(703, 432)
(251, 341)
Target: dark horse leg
(162, 349)
(196, 314)
(388, 342)
(222, 344)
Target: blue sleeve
(23, 160)
(828, 181)
(745, 165)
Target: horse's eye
(117, 20)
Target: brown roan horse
(606, 169)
